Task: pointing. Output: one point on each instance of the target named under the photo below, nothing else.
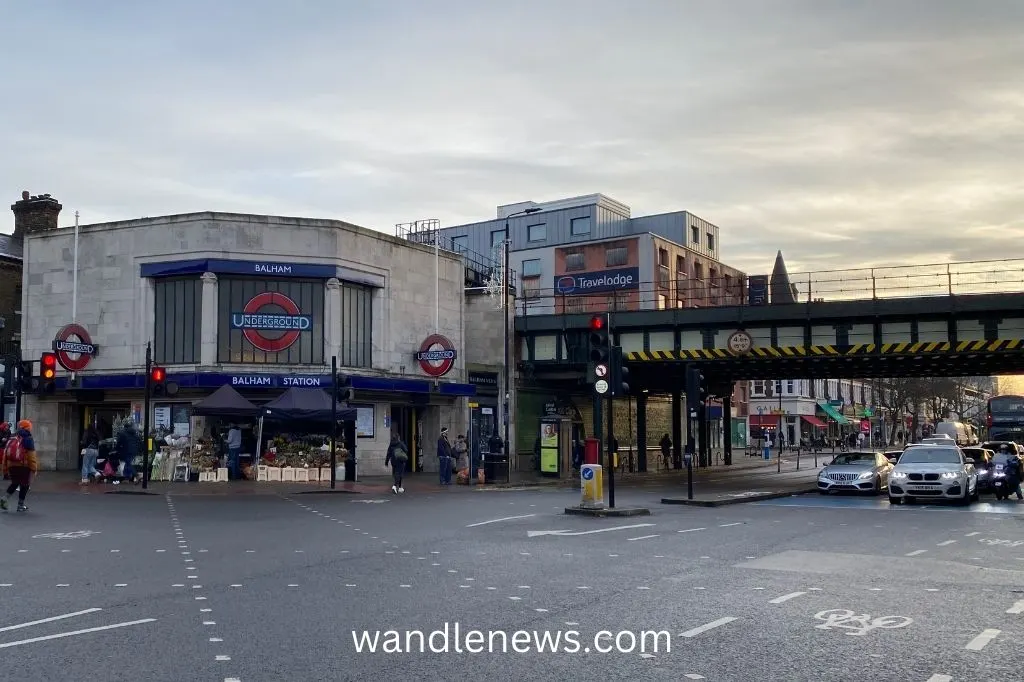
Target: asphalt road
(271, 588)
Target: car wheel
(894, 500)
(966, 499)
(878, 486)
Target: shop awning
(225, 402)
(813, 421)
(833, 413)
(764, 420)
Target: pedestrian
(90, 453)
(398, 458)
(21, 464)
(462, 458)
(666, 451)
(5, 435)
(444, 457)
(234, 450)
(129, 445)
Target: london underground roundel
(271, 322)
(436, 355)
(74, 347)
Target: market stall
(305, 423)
(186, 459)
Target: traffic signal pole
(611, 453)
(334, 422)
(145, 417)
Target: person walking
(666, 451)
(129, 445)
(234, 450)
(398, 458)
(444, 457)
(21, 464)
(90, 453)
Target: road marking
(223, 658)
(216, 639)
(505, 518)
(690, 530)
(73, 633)
(947, 542)
(786, 597)
(726, 525)
(979, 642)
(709, 626)
(971, 535)
(694, 676)
(49, 620)
(1018, 607)
(643, 537)
(121, 585)
(939, 678)
(916, 552)
(536, 533)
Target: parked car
(984, 463)
(933, 471)
(866, 472)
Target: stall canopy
(225, 402)
(305, 404)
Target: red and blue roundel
(271, 322)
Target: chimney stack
(34, 214)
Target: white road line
(786, 597)
(709, 626)
(726, 525)
(1018, 607)
(939, 678)
(49, 620)
(979, 642)
(73, 633)
(916, 552)
(690, 530)
(947, 542)
(642, 537)
(971, 535)
(505, 518)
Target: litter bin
(495, 468)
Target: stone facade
(116, 304)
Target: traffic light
(158, 381)
(47, 373)
(27, 381)
(599, 340)
(343, 392)
(696, 390)
(619, 373)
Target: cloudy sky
(844, 133)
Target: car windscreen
(861, 458)
(930, 456)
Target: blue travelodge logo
(597, 282)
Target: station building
(258, 302)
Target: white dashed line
(916, 552)
(121, 585)
(223, 658)
(979, 642)
(694, 676)
(726, 525)
(642, 537)
(947, 542)
(786, 597)
(709, 626)
(971, 535)
(1018, 607)
(690, 530)
(940, 678)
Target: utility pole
(145, 416)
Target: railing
(945, 279)
(479, 267)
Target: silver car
(933, 471)
(866, 472)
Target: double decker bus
(1006, 418)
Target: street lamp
(507, 373)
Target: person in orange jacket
(20, 463)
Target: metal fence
(479, 267)
(944, 279)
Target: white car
(933, 471)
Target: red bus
(1005, 418)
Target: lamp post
(507, 245)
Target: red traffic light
(158, 374)
(597, 322)
(48, 366)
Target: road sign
(601, 371)
(601, 386)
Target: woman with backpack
(398, 458)
(20, 464)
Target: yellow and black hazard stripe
(825, 351)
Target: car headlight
(823, 476)
(867, 474)
(950, 474)
(984, 473)
(898, 474)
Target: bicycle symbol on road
(860, 624)
(73, 535)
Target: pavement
(273, 586)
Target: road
(119, 587)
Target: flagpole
(437, 281)
(74, 285)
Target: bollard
(591, 486)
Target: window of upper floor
(695, 234)
(536, 233)
(711, 241)
(460, 244)
(616, 255)
(663, 258)
(575, 261)
(497, 237)
(531, 268)
(579, 226)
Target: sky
(845, 134)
